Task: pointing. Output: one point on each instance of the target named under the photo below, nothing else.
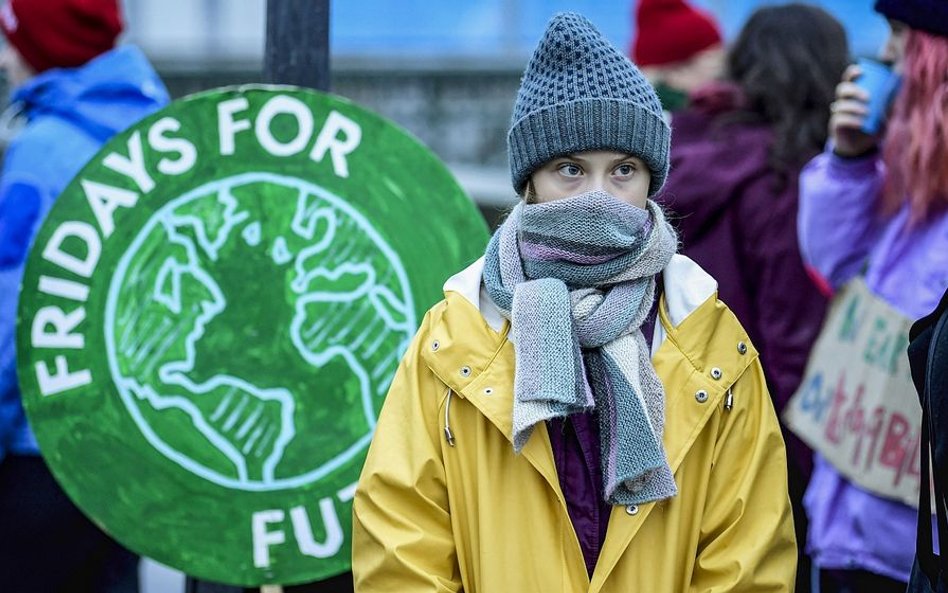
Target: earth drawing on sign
(319, 292)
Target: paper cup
(882, 84)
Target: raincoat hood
(102, 97)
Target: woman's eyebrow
(579, 159)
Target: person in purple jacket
(736, 156)
(876, 207)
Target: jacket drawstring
(448, 435)
(729, 400)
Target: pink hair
(916, 146)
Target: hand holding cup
(862, 102)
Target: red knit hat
(61, 33)
(670, 31)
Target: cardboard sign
(857, 404)
(212, 314)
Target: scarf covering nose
(576, 279)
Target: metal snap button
(716, 373)
(632, 509)
(742, 347)
(435, 345)
(701, 395)
(465, 371)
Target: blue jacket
(71, 113)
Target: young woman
(736, 154)
(555, 426)
(878, 212)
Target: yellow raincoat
(444, 503)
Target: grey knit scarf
(576, 278)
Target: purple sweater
(575, 444)
(842, 233)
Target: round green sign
(211, 316)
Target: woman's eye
(624, 170)
(570, 170)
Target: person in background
(876, 208)
(75, 89)
(737, 152)
(556, 426)
(677, 47)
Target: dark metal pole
(297, 50)
(297, 53)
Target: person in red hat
(677, 47)
(74, 89)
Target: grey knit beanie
(580, 93)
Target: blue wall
(499, 29)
